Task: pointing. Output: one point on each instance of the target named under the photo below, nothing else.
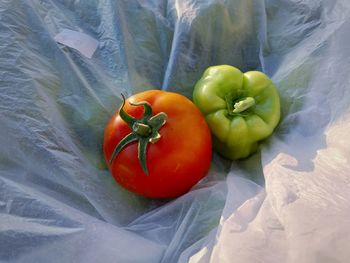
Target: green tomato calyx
(144, 130)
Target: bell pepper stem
(243, 104)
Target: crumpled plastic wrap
(290, 202)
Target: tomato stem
(143, 130)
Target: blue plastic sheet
(58, 203)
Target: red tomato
(175, 162)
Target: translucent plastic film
(289, 202)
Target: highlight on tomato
(158, 144)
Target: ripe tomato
(176, 145)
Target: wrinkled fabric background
(290, 202)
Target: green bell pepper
(241, 109)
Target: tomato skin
(176, 162)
